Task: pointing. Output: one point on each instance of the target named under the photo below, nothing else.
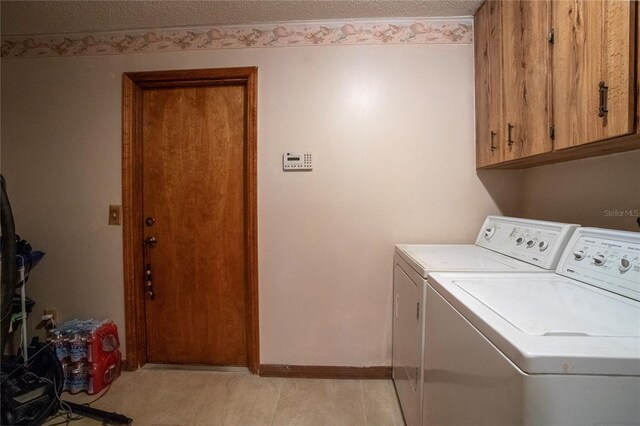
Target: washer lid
(556, 307)
(549, 324)
(449, 257)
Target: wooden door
(525, 73)
(488, 63)
(206, 130)
(593, 47)
(637, 31)
(194, 206)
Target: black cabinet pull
(509, 129)
(603, 90)
(493, 135)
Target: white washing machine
(503, 244)
(557, 348)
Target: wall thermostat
(296, 161)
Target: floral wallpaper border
(328, 33)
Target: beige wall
(391, 131)
(602, 192)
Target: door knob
(151, 241)
(150, 221)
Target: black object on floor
(29, 390)
(94, 413)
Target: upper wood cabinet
(488, 54)
(526, 77)
(555, 80)
(593, 69)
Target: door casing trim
(133, 84)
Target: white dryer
(552, 348)
(503, 244)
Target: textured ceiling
(59, 17)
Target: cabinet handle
(603, 90)
(493, 135)
(509, 129)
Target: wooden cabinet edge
(486, 88)
(595, 149)
(637, 85)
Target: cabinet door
(593, 48)
(526, 76)
(488, 62)
(638, 70)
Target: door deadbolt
(150, 221)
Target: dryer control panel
(604, 258)
(533, 241)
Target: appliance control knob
(543, 245)
(599, 259)
(488, 232)
(531, 243)
(519, 241)
(624, 265)
(579, 254)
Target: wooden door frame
(133, 84)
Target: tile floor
(185, 397)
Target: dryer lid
(428, 258)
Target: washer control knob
(624, 265)
(488, 232)
(531, 243)
(599, 259)
(543, 245)
(579, 254)
(519, 241)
